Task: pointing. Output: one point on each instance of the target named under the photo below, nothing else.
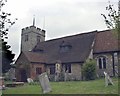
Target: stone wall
(109, 64)
(21, 63)
(74, 75)
(76, 71)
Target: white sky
(62, 17)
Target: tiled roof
(34, 57)
(78, 52)
(105, 41)
(76, 48)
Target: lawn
(69, 87)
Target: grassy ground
(70, 87)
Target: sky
(58, 17)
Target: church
(66, 53)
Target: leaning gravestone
(30, 81)
(44, 82)
(108, 80)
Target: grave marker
(108, 80)
(30, 81)
(44, 82)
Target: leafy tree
(5, 22)
(89, 70)
(6, 56)
(112, 19)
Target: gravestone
(44, 82)
(57, 76)
(30, 81)
(66, 76)
(108, 80)
(2, 85)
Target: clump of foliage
(6, 56)
(89, 70)
(112, 19)
(5, 21)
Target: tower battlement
(33, 29)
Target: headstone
(30, 81)
(44, 82)
(57, 75)
(66, 75)
(108, 80)
(2, 85)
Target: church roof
(106, 41)
(74, 48)
(34, 57)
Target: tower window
(26, 37)
(38, 38)
(102, 62)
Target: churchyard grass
(70, 87)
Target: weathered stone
(2, 85)
(30, 81)
(66, 76)
(108, 80)
(44, 82)
(57, 71)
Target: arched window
(102, 61)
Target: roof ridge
(71, 36)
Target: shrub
(89, 70)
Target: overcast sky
(58, 17)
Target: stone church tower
(30, 36)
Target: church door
(23, 75)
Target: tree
(112, 19)
(89, 70)
(5, 22)
(5, 53)
(7, 57)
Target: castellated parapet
(33, 29)
(30, 37)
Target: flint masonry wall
(109, 65)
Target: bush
(89, 70)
